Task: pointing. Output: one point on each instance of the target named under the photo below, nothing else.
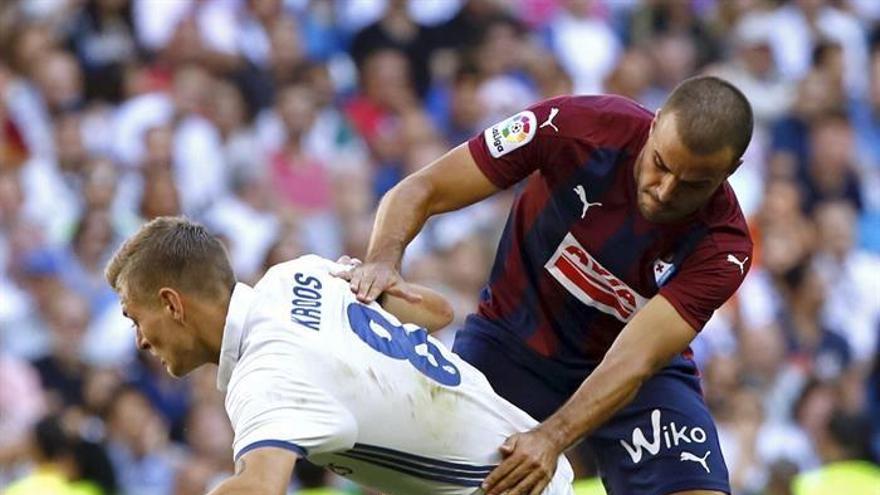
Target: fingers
(534, 484)
(508, 446)
(364, 289)
(367, 282)
(511, 478)
(354, 281)
(503, 469)
(347, 260)
(388, 280)
(345, 273)
(490, 484)
(524, 471)
(525, 480)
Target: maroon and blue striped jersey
(577, 259)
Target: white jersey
(308, 368)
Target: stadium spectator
(753, 69)
(864, 116)
(136, 441)
(843, 447)
(851, 306)
(22, 400)
(57, 470)
(632, 76)
(61, 371)
(397, 30)
(576, 29)
(832, 173)
(114, 111)
(209, 436)
(102, 37)
(800, 25)
(248, 218)
(790, 150)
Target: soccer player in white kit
(309, 372)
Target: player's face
(672, 181)
(158, 332)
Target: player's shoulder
(610, 104)
(726, 223)
(602, 108)
(311, 263)
(601, 119)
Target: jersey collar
(230, 349)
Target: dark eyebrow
(697, 182)
(660, 159)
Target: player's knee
(699, 492)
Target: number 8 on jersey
(400, 342)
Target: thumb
(343, 273)
(508, 446)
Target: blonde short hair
(171, 252)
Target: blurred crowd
(280, 123)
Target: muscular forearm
(530, 458)
(401, 215)
(452, 182)
(644, 346)
(611, 386)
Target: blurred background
(280, 123)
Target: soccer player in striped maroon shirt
(623, 241)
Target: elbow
(413, 188)
(447, 314)
(441, 318)
(422, 194)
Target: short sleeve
(709, 276)
(270, 403)
(512, 149)
(558, 134)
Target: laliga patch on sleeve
(511, 133)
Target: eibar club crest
(664, 268)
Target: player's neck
(209, 321)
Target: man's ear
(735, 167)
(172, 302)
(654, 121)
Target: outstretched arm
(452, 182)
(423, 307)
(264, 471)
(431, 311)
(645, 345)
